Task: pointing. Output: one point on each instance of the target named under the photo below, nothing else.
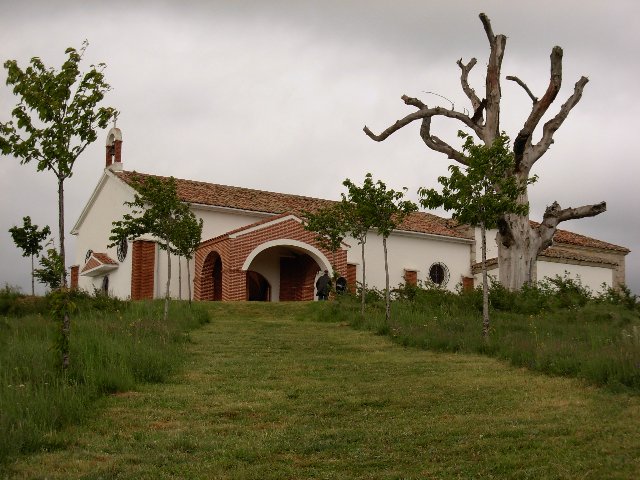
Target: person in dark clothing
(323, 285)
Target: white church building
(255, 247)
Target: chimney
(114, 149)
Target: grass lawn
(265, 396)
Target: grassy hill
(266, 392)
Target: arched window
(439, 273)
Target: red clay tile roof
(552, 252)
(97, 260)
(563, 236)
(562, 253)
(203, 193)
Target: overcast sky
(273, 95)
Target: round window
(439, 273)
(123, 246)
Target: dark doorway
(258, 288)
(217, 279)
(211, 283)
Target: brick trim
(143, 259)
(233, 252)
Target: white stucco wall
(492, 245)
(590, 276)
(93, 234)
(411, 252)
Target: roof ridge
(247, 189)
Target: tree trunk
(517, 252)
(364, 280)
(485, 286)
(61, 230)
(189, 279)
(179, 277)
(33, 287)
(66, 333)
(166, 295)
(387, 296)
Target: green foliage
(15, 304)
(158, 211)
(329, 224)
(485, 190)
(52, 268)
(187, 234)
(55, 119)
(117, 346)
(376, 207)
(28, 238)
(57, 115)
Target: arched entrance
(272, 259)
(212, 278)
(289, 270)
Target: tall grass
(557, 327)
(115, 345)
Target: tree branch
(533, 98)
(555, 123)
(523, 140)
(438, 145)
(486, 23)
(423, 113)
(464, 80)
(492, 82)
(554, 214)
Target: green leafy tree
(56, 118)
(481, 194)
(50, 273)
(29, 239)
(386, 210)
(188, 235)
(157, 211)
(329, 224)
(360, 213)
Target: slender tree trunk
(33, 287)
(387, 296)
(189, 279)
(66, 321)
(166, 295)
(61, 230)
(364, 280)
(179, 277)
(485, 286)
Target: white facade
(407, 251)
(590, 276)
(411, 251)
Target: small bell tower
(114, 148)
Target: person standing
(323, 285)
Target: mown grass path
(264, 396)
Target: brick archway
(236, 250)
(211, 278)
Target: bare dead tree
(519, 242)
